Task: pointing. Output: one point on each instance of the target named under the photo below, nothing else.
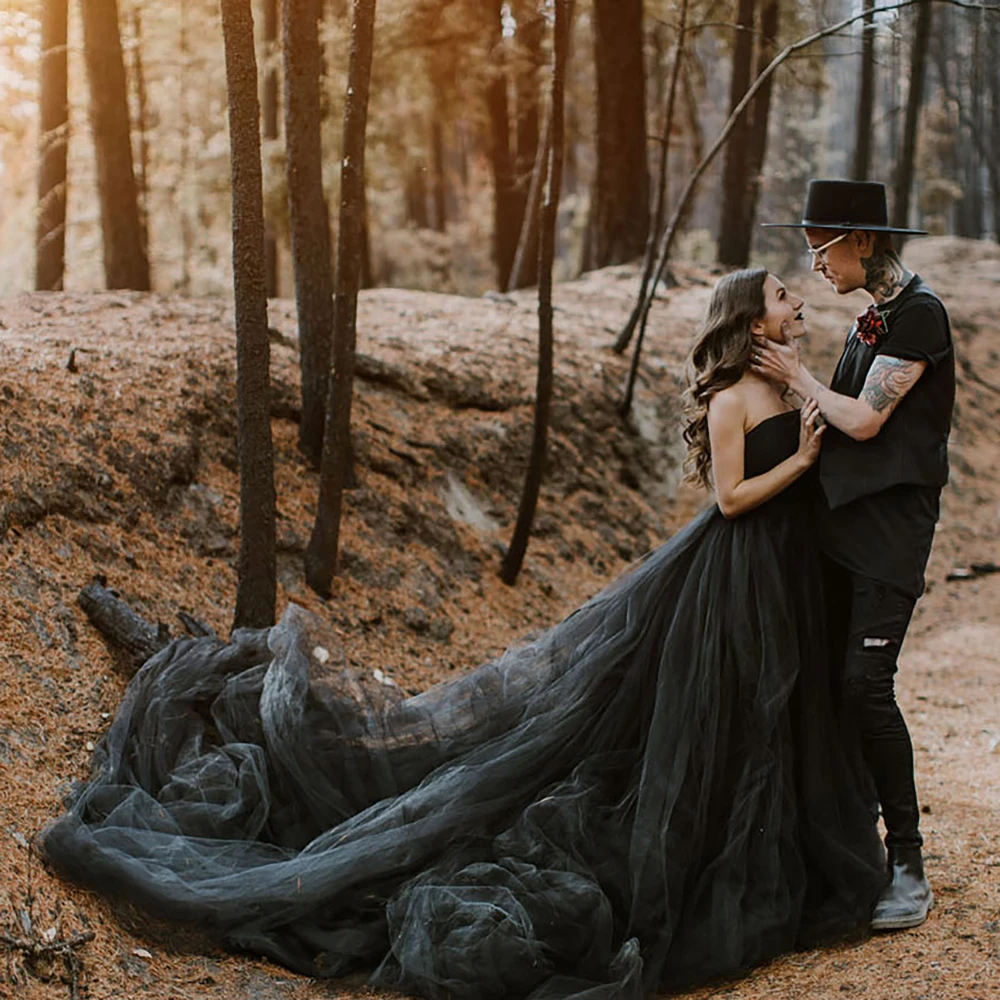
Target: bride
(657, 791)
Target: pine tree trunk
(760, 117)
(914, 101)
(53, 132)
(732, 239)
(308, 216)
(861, 163)
(512, 561)
(660, 202)
(322, 551)
(505, 220)
(141, 128)
(439, 187)
(993, 63)
(184, 158)
(619, 213)
(269, 122)
(256, 586)
(415, 195)
(973, 165)
(125, 262)
(529, 38)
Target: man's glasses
(819, 253)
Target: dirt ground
(117, 433)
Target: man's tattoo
(888, 381)
(885, 276)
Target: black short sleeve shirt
(882, 496)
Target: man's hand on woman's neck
(885, 275)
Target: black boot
(907, 899)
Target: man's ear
(864, 240)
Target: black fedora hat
(845, 205)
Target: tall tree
(269, 120)
(511, 565)
(861, 164)
(914, 101)
(993, 154)
(527, 63)
(660, 201)
(759, 116)
(125, 261)
(505, 220)
(141, 126)
(619, 214)
(308, 216)
(734, 177)
(53, 129)
(256, 586)
(322, 551)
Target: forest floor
(117, 430)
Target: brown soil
(123, 464)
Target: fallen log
(126, 630)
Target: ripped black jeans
(870, 619)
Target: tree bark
(142, 125)
(529, 38)
(914, 101)
(861, 164)
(53, 132)
(527, 242)
(505, 220)
(439, 188)
(322, 551)
(659, 209)
(307, 214)
(124, 628)
(732, 241)
(619, 213)
(993, 62)
(125, 262)
(511, 565)
(759, 119)
(256, 587)
(416, 195)
(269, 119)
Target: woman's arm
(736, 495)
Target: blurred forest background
(458, 103)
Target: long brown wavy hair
(718, 359)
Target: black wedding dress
(654, 792)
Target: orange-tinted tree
(619, 219)
(125, 261)
(53, 127)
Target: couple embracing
(680, 780)
(885, 417)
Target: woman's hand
(811, 427)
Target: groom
(883, 464)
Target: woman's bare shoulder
(729, 403)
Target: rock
(416, 619)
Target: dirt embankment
(123, 462)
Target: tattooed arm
(889, 380)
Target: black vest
(912, 446)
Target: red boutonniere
(869, 326)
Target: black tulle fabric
(656, 791)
